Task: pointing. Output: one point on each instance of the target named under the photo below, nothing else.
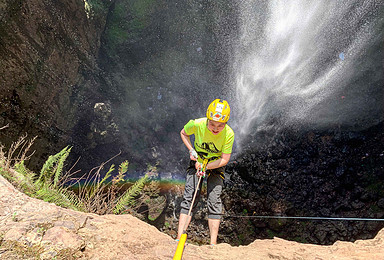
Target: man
(213, 141)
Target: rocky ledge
(34, 229)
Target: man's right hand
(198, 166)
(199, 171)
(193, 155)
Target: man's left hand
(200, 173)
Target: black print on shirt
(209, 147)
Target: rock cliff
(30, 228)
(48, 68)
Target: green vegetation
(128, 198)
(271, 234)
(300, 240)
(375, 209)
(128, 20)
(376, 187)
(100, 195)
(14, 217)
(95, 8)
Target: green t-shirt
(208, 145)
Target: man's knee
(214, 202)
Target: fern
(107, 175)
(25, 178)
(99, 185)
(60, 165)
(128, 198)
(48, 188)
(60, 196)
(7, 175)
(53, 167)
(123, 168)
(97, 195)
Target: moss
(67, 254)
(128, 20)
(140, 11)
(376, 209)
(30, 85)
(98, 6)
(240, 237)
(300, 240)
(3, 36)
(43, 227)
(270, 233)
(376, 187)
(16, 249)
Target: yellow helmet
(219, 111)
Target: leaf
(128, 198)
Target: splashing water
(288, 68)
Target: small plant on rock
(100, 195)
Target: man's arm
(220, 162)
(187, 141)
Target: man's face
(215, 127)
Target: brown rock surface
(48, 231)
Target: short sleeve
(229, 142)
(190, 127)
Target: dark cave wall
(48, 67)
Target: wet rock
(103, 128)
(60, 44)
(380, 203)
(357, 204)
(321, 175)
(103, 111)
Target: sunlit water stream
(306, 62)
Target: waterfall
(301, 62)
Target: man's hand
(199, 171)
(198, 166)
(200, 174)
(193, 155)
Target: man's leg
(184, 220)
(189, 190)
(215, 184)
(213, 229)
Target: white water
(293, 56)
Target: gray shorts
(215, 181)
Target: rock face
(149, 61)
(313, 174)
(48, 68)
(32, 228)
(324, 174)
